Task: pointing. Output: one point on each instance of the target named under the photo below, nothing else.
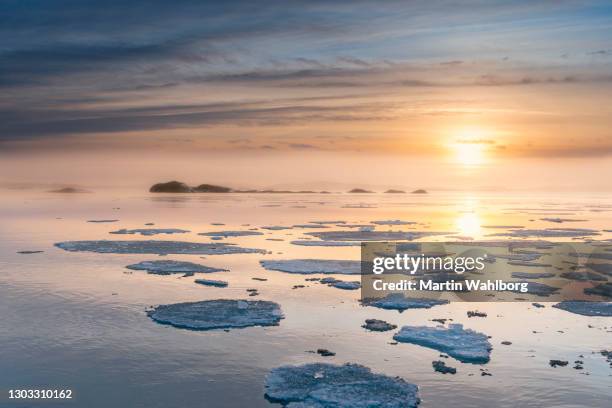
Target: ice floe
(397, 301)
(549, 233)
(322, 385)
(393, 222)
(466, 345)
(378, 325)
(312, 266)
(154, 247)
(326, 243)
(102, 221)
(168, 267)
(354, 285)
(218, 314)
(603, 289)
(149, 231)
(212, 282)
(226, 234)
(586, 308)
(536, 288)
(373, 235)
(532, 275)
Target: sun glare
(470, 145)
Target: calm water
(77, 320)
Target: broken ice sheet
(218, 314)
(536, 288)
(230, 233)
(154, 247)
(326, 243)
(465, 345)
(168, 267)
(393, 222)
(399, 302)
(149, 231)
(586, 308)
(353, 285)
(373, 235)
(312, 266)
(212, 282)
(322, 385)
(532, 275)
(548, 233)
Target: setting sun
(469, 154)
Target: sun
(470, 146)
(469, 154)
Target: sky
(437, 94)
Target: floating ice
(322, 385)
(150, 231)
(561, 220)
(102, 221)
(582, 276)
(466, 345)
(154, 247)
(378, 325)
(275, 227)
(393, 222)
(586, 308)
(230, 233)
(310, 226)
(168, 267)
(605, 268)
(532, 275)
(548, 232)
(328, 222)
(218, 314)
(373, 235)
(312, 266)
(535, 288)
(397, 301)
(603, 289)
(212, 282)
(354, 285)
(325, 243)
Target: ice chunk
(168, 267)
(536, 288)
(583, 276)
(354, 285)
(150, 231)
(397, 301)
(275, 227)
(212, 282)
(325, 243)
(154, 247)
(218, 314)
(101, 221)
(378, 325)
(532, 275)
(322, 385)
(393, 222)
(310, 226)
(586, 308)
(230, 233)
(373, 235)
(312, 266)
(466, 345)
(548, 233)
(603, 289)
(561, 220)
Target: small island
(393, 191)
(359, 191)
(419, 191)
